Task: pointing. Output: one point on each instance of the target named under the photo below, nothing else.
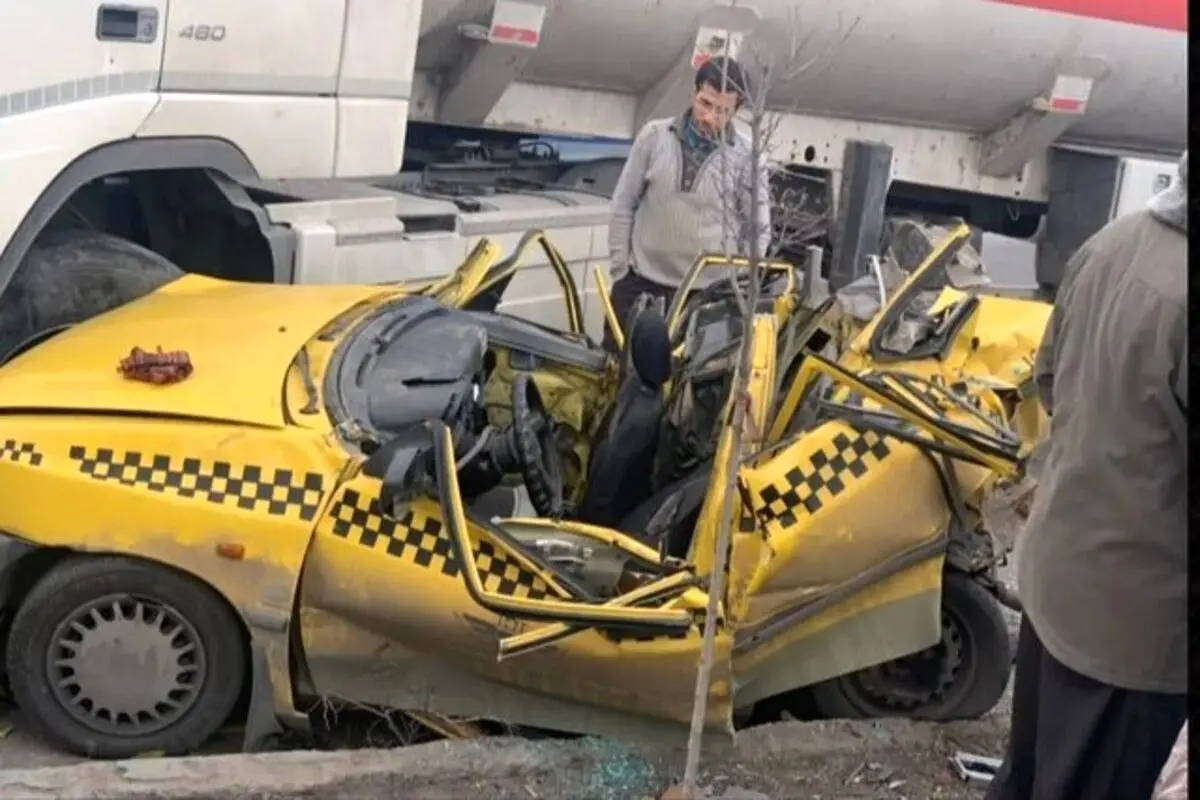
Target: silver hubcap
(126, 665)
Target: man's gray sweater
(660, 223)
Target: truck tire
(961, 677)
(111, 657)
(71, 276)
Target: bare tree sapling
(767, 61)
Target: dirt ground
(813, 761)
(808, 761)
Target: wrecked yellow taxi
(397, 497)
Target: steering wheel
(537, 451)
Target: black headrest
(650, 348)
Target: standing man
(686, 189)
(1100, 690)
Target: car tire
(972, 665)
(162, 644)
(71, 276)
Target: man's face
(712, 109)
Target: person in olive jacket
(1100, 690)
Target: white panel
(60, 100)
(380, 47)
(28, 63)
(370, 137)
(284, 137)
(35, 148)
(1141, 179)
(254, 46)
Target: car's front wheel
(112, 657)
(961, 677)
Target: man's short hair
(725, 75)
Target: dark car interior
(416, 360)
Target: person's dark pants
(624, 293)
(1074, 738)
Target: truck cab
(193, 86)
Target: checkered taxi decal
(276, 492)
(423, 540)
(20, 453)
(805, 488)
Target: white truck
(263, 140)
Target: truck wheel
(72, 276)
(961, 677)
(112, 657)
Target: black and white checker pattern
(423, 540)
(277, 492)
(20, 452)
(806, 487)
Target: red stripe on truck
(1169, 15)
(510, 33)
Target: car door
(747, 547)
(481, 282)
(393, 614)
(853, 508)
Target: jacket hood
(1170, 206)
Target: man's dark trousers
(624, 293)
(1074, 738)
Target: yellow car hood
(241, 338)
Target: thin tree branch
(740, 230)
